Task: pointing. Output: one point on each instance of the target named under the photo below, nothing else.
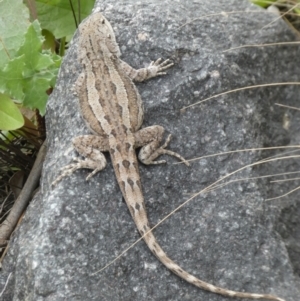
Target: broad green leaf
(57, 16)
(11, 78)
(28, 77)
(14, 20)
(35, 89)
(10, 116)
(31, 49)
(40, 69)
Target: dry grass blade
(283, 195)
(223, 13)
(241, 89)
(5, 284)
(280, 17)
(205, 190)
(288, 107)
(261, 45)
(242, 150)
(285, 180)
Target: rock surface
(231, 237)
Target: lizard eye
(103, 21)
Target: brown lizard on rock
(112, 109)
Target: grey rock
(230, 237)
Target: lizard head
(98, 28)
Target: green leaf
(35, 89)
(263, 3)
(11, 78)
(50, 42)
(40, 70)
(14, 20)
(10, 116)
(57, 16)
(32, 48)
(297, 11)
(27, 77)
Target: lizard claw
(162, 150)
(157, 68)
(162, 66)
(93, 173)
(149, 157)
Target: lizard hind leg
(149, 139)
(90, 147)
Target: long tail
(126, 169)
(176, 269)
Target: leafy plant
(29, 62)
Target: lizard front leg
(149, 139)
(154, 69)
(90, 147)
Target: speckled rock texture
(232, 237)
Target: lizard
(113, 111)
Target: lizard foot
(162, 151)
(78, 164)
(160, 67)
